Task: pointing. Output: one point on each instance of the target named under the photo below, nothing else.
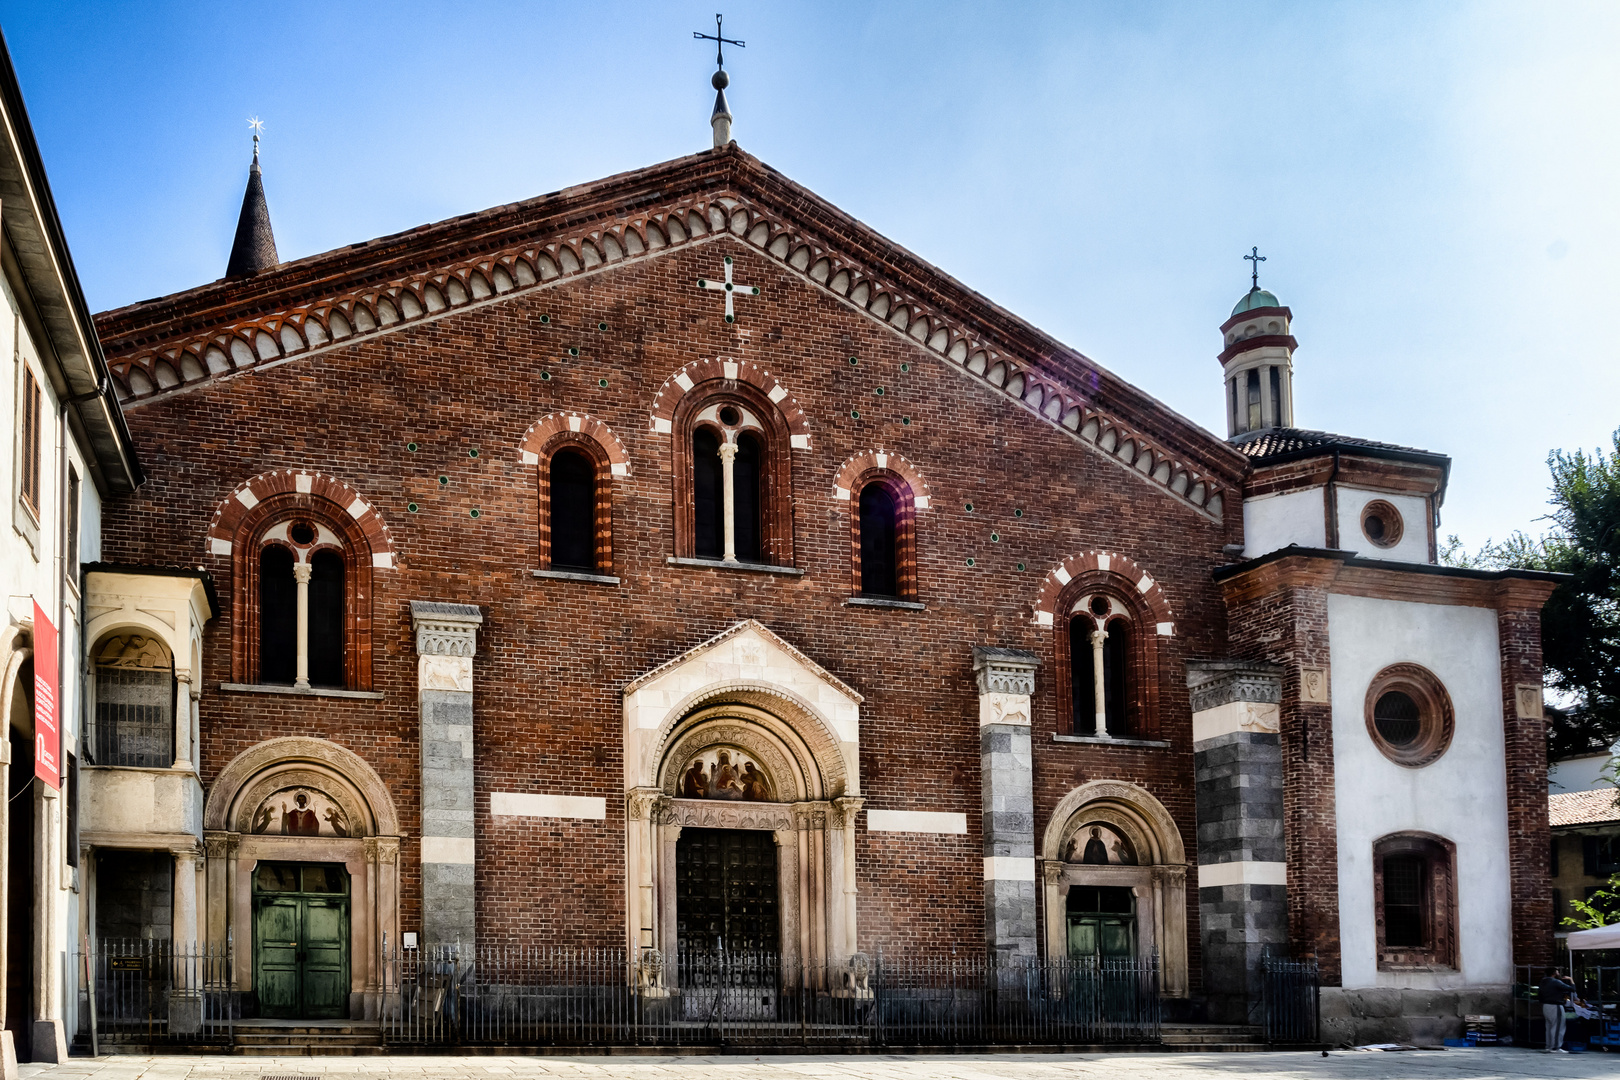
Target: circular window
(1381, 523)
(730, 416)
(1099, 606)
(1409, 715)
(302, 532)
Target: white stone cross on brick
(729, 288)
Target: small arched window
(1414, 886)
(745, 497)
(1116, 686)
(573, 511)
(879, 558)
(135, 702)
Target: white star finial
(256, 124)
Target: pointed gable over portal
(328, 301)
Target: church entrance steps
(1212, 1038)
(307, 1037)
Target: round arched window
(1409, 715)
(1381, 523)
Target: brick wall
(554, 654)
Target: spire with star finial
(720, 119)
(254, 250)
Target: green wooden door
(301, 940)
(1102, 922)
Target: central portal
(301, 940)
(726, 892)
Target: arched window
(1415, 901)
(573, 510)
(278, 616)
(879, 557)
(307, 572)
(1109, 665)
(732, 477)
(135, 702)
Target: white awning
(1604, 937)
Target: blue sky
(1433, 184)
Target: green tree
(1580, 626)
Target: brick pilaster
(1518, 621)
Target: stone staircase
(1212, 1038)
(292, 1038)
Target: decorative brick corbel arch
(542, 431)
(1057, 580)
(226, 523)
(1110, 574)
(742, 371)
(850, 472)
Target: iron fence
(154, 992)
(506, 995)
(1292, 999)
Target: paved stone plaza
(1484, 1063)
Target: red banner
(47, 736)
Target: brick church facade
(520, 563)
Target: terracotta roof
(1582, 807)
(1272, 444)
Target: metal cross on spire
(729, 288)
(720, 42)
(257, 125)
(1256, 258)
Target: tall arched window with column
(302, 569)
(1108, 617)
(732, 478)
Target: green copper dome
(1256, 298)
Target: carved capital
(1004, 671)
(1052, 870)
(641, 804)
(302, 572)
(370, 845)
(445, 629)
(1213, 683)
(387, 850)
(845, 811)
(217, 845)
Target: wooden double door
(301, 940)
(726, 892)
(1102, 922)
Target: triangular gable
(735, 643)
(331, 300)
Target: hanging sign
(47, 737)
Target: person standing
(1555, 992)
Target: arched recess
(1156, 873)
(301, 799)
(751, 695)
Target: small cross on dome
(1256, 258)
(730, 288)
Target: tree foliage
(1580, 626)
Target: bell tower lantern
(1257, 358)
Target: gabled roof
(1582, 807)
(327, 301)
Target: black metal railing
(1292, 999)
(513, 995)
(156, 992)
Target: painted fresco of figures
(731, 776)
(1098, 845)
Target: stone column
(446, 639)
(185, 998)
(1006, 679)
(1242, 861)
(301, 574)
(728, 501)
(841, 903)
(1099, 677)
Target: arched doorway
(1116, 879)
(302, 848)
(742, 761)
